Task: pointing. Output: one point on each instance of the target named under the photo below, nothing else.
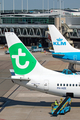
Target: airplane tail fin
(22, 60)
(60, 44)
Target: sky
(38, 4)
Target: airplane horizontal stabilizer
(20, 78)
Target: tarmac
(19, 103)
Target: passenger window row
(68, 84)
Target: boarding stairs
(62, 105)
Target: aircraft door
(46, 85)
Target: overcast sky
(38, 4)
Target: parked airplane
(62, 49)
(29, 73)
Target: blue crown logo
(59, 39)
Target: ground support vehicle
(62, 108)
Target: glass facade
(29, 20)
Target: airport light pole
(60, 15)
(0, 13)
(53, 4)
(13, 6)
(63, 3)
(3, 6)
(0, 9)
(43, 5)
(48, 6)
(22, 5)
(27, 6)
(57, 4)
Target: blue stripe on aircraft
(68, 55)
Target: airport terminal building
(33, 28)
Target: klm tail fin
(60, 44)
(22, 60)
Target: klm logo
(59, 42)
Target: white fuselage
(54, 84)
